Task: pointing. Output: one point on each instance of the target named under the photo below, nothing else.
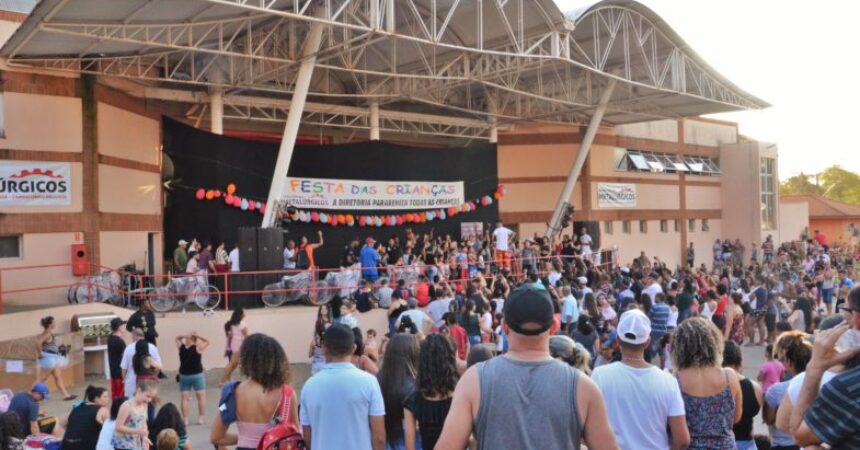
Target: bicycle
(296, 288)
(103, 288)
(189, 289)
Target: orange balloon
(231, 188)
(210, 195)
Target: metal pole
(494, 131)
(584, 148)
(374, 121)
(291, 128)
(216, 111)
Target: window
(664, 226)
(607, 227)
(10, 246)
(691, 226)
(625, 227)
(701, 165)
(705, 225)
(643, 226)
(677, 225)
(768, 193)
(631, 160)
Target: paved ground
(169, 392)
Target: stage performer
(369, 257)
(502, 238)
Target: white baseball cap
(183, 242)
(582, 280)
(634, 327)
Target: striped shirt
(659, 319)
(835, 415)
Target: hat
(115, 323)
(634, 327)
(582, 280)
(625, 270)
(183, 242)
(528, 305)
(42, 388)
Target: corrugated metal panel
(22, 6)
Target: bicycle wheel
(207, 299)
(162, 301)
(273, 299)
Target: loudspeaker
(593, 228)
(247, 238)
(80, 260)
(270, 255)
(243, 283)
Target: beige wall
(535, 197)
(77, 197)
(40, 249)
(116, 128)
(536, 160)
(708, 133)
(42, 122)
(793, 220)
(654, 243)
(528, 230)
(661, 130)
(129, 191)
(741, 197)
(704, 197)
(7, 28)
(119, 248)
(703, 241)
(292, 326)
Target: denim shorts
(196, 382)
(48, 360)
(745, 445)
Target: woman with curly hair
(264, 365)
(427, 406)
(712, 395)
(397, 379)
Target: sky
(801, 57)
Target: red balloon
(262, 208)
(315, 216)
(237, 201)
(497, 195)
(362, 221)
(400, 220)
(228, 199)
(200, 195)
(252, 204)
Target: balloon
(228, 199)
(231, 188)
(485, 200)
(472, 206)
(497, 195)
(452, 211)
(252, 205)
(237, 201)
(210, 194)
(429, 215)
(244, 205)
(400, 220)
(442, 215)
(200, 195)
(362, 221)
(315, 217)
(378, 221)
(323, 218)
(217, 193)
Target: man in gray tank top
(526, 399)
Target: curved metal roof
(512, 60)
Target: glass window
(655, 162)
(695, 164)
(677, 225)
(638, 161)
(625, 227)
(10, 246)
(691, 225)
(768, 193)
(705, 225)
(664, 226)
(607, 227)
(643, 226)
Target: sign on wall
(471, 230)
(31, 183)
(616, 195)
(325, 193)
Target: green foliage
(834, 183)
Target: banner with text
(371, 195)
(29, 183)
(615, 195)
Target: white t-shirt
(796, 383)
(130, 382)
(105, 435)
(234, 260)
(639, 403)
(502, 235)
(437, 308)
(289, 258)
(585, 241)
(653, 290)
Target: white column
(584, 148)
(216, 111)
(494, 131)
(291, 128)
(374, 121)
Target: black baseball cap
(529, 310)
(115, 323)
(853, 303)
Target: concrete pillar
(216, 111)
(374, 121)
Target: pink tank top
(251, 433)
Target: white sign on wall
(616, 195)
(31, 183)
(326, 193)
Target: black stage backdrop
(205, 160)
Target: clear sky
(801, 57)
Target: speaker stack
(260, 249)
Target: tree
(800, 185)
(841, 185)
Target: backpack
(285, 435)
(302, 260)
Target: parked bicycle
(103, 288)
(182, 290)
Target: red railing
(95, 288)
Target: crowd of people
(489, 349)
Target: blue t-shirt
(369, 257)
(659, 319)
(26, 408)
(337, 402)
(773, 397)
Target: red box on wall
(80, 260)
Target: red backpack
(285, 435)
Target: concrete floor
(169, 392)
